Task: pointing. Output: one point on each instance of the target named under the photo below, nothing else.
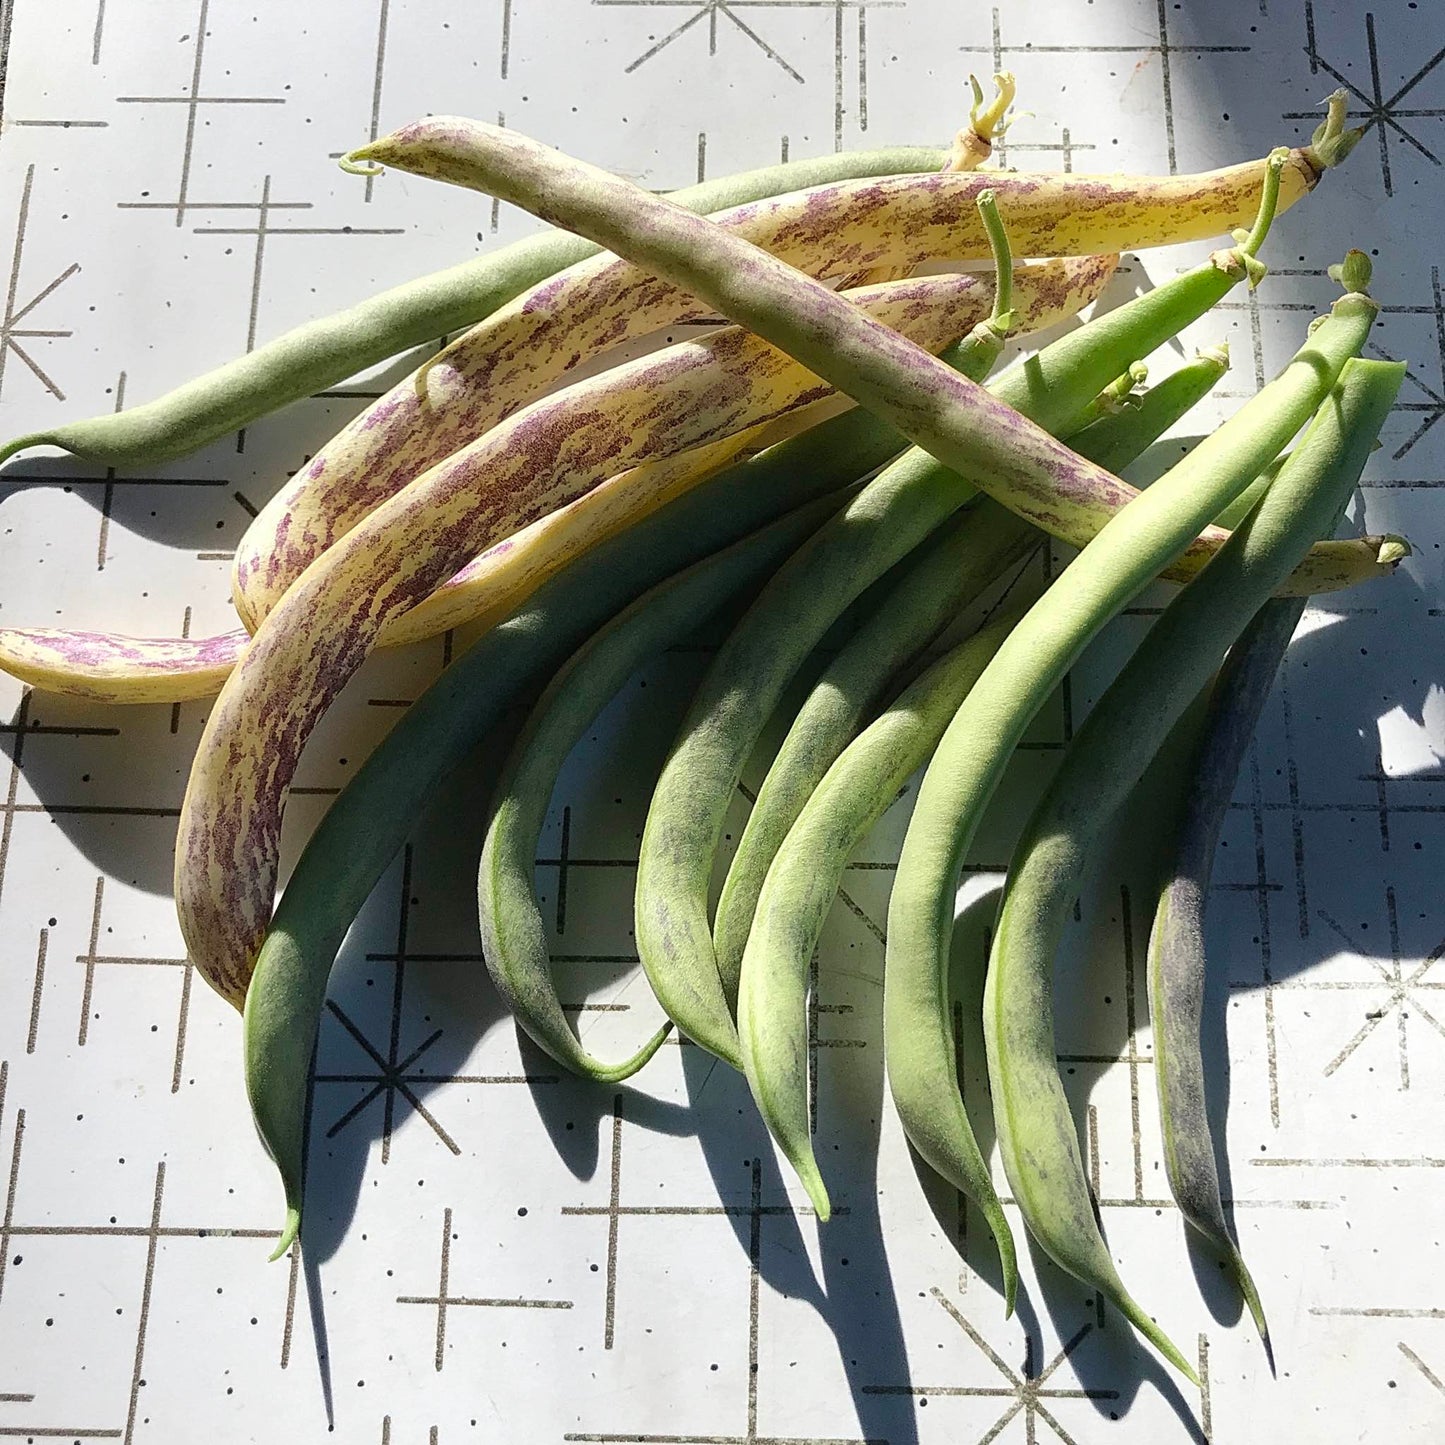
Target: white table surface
(674, 1288)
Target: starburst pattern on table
(1386, 115)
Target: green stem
(1331, 142)
(1003, 263)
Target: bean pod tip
(289, 1231)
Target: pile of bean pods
(840, 436)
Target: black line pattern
(1026, 1392)
(68, 868)
(11, 331)
(1384, 114)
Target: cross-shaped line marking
(16, 312)
(394, 1075)
(614, 1211)
(1403, 991)
(442, 1300)
(153, 1233)
(21, 729)
(1383, 114)
(1164, 48)
(1026, 1392)
(93, 959)
(193, 100)
(755, 1211)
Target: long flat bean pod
(117, 668)
(539, 458)
(520, 351)
(833, 230)
(987, 727)
(514, 936)
(527, 345)
(1176, 968)
(1036, 1133)
(318, 354)
(921, 605)
(365, 827)
(1015, 462)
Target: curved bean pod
(1109, 753)
(514, 937)
(1043, 294)
(1013, 461)
(365, 827)
(320, 353)
(117, 668)
(111, 667)
(798, 892)
(542, 456)
(695, 979)
(1129, 552)
(805, 868)
(1177, 965)
(519, 352)
(921, 605)
(226, 853)
(943, 575)
(738, 693)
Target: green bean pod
(733, 702)
(514, 937)
(858, 781)
(366, 825)
(945, 577)
(1127, 553)
(1109, 753)
(889, 518)
(1177, 965)
(319, 354)
(799, 890)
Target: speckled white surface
(676, 1290)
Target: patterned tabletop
(494, 1251)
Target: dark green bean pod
(514, 936)
(365, 827)
(1177, 962)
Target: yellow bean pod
(1045, 293)
(108, 667)
(537, 460)
(844, 229)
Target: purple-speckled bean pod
(540, 458)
